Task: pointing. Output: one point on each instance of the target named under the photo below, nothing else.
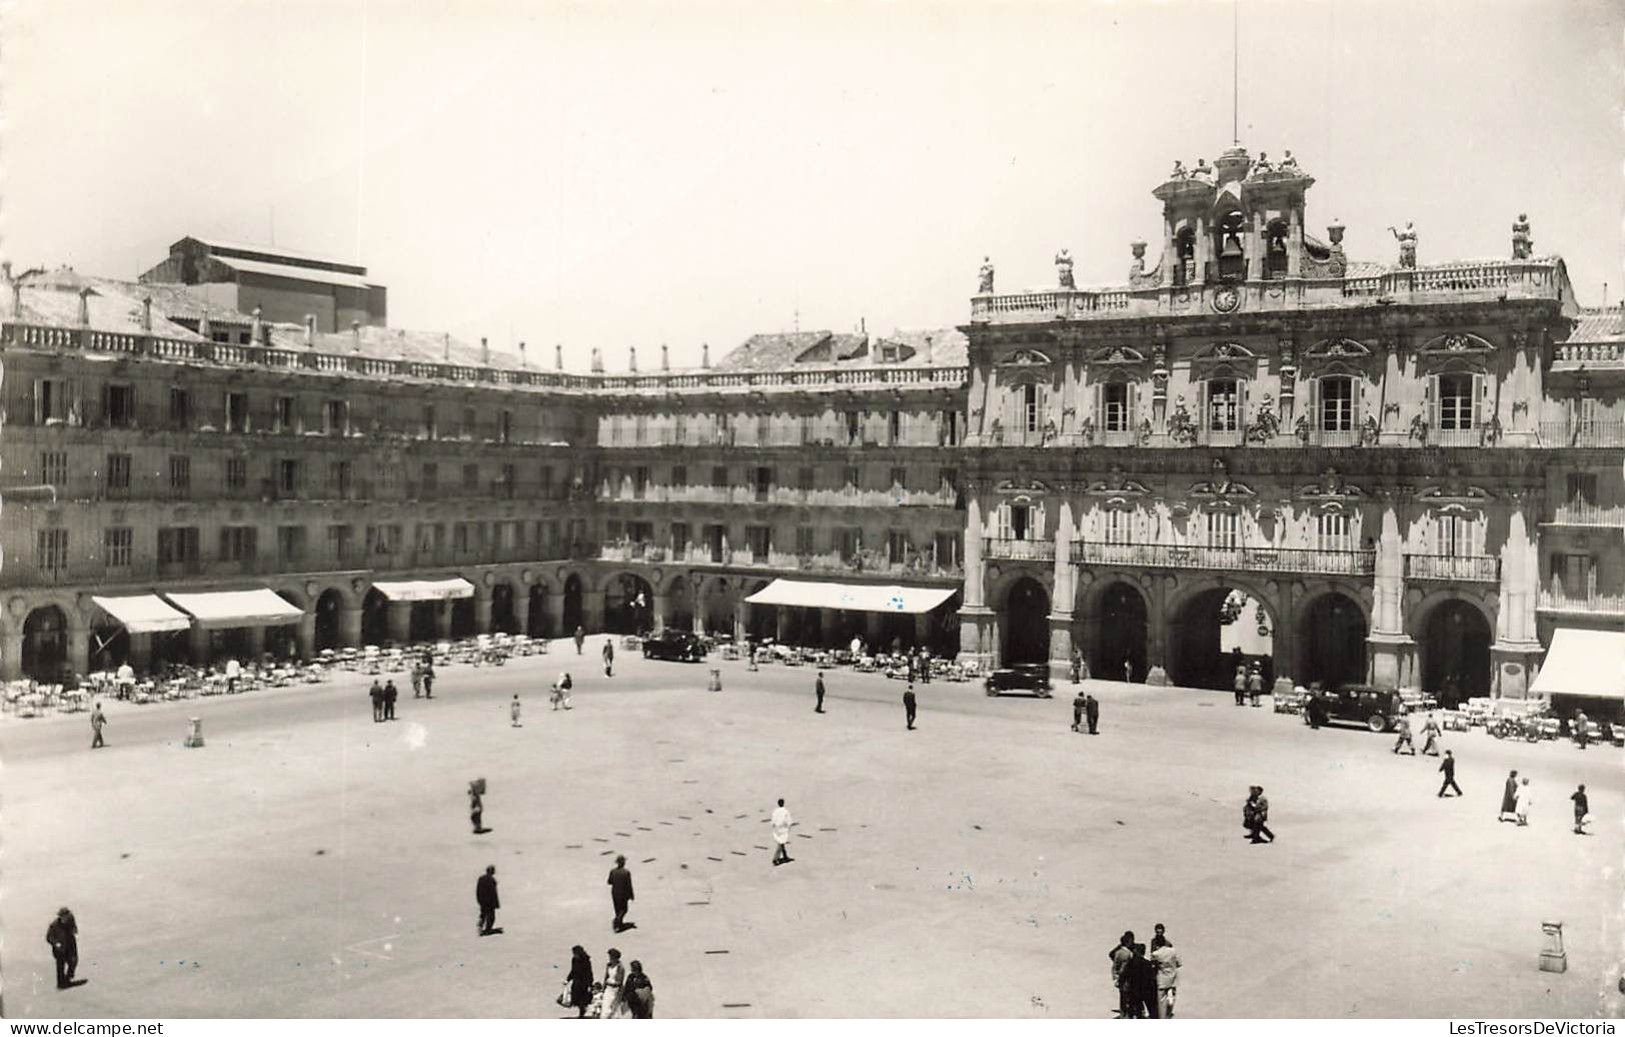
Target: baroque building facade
(1408, 474)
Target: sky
(605, 175)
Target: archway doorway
(1026, 623)
(502, 620)
(374, 618)
(761, 621)
(1456, 653)
(1216, 631)
(1333, 635)
(572, 604)
(1120, 637)
(628, 604)
(45, 643)
(424, 625)
(462, 617)
(537, 620)
(719, 601)
(327, 619)
(680, 605)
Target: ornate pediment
(1113, 356)
(1333, 350)
(1225, 353)
(1020, 486)
(1116, 484)
(1457, 343)
(1025, 358)
(1454, 494)
(1331, 488)
(1221, 486)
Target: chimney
(632, 359)
(256, 330)
(558, 356)
(485, 352)
(310, 331)
(930, 351)
(355, 335)
(665, 358)
(705, 355)
(84, 307)
(448, 347)
(522, 362)
(597, 361)
(146, 313)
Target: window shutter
(39, 401)
(1037, 512)
(1483, 408)
(1097, 407)
(107, 405)
(1430, 400)
(1241, 404)
(1312, 405)
(1356, 400)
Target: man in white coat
(781, 834)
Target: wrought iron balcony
(1589, 602)
(1453, 568)
(1021, 550)
(1584, 513)
(1582, 433)
(1239, 559)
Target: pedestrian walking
(1091, 710)
(1077, 669)
(98, 720)
(925, 666)
(1128, 671)
(63, 936)
(417, 680)
(1255, 815)
(614, 986)
(1402, 724)
(1139, 980)
(485, 894)
(640, 993)
(560, 695)
(1120, 956)
(234, 673)
(1255, 683)
(580, 638)
(1582, 728)
(620, 892)
(390, 694)
(1159, 936)
(1167, 963)
(781, 834)
(1447, 767)
(476, 805)
(1314, 710)
(1080, 704)
(580, 981)
(1582, 810)
(513, 710)
(1430, 737)
(428, 680)
(376, 693)
(818, 689)
(609, 657)
(1526, 799)
(1240, 684)
(1509, 799)
(909, 706)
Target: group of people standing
(1248, 683)
(1517, 798)
(383, 700)
(1146, 986)
(625, 990)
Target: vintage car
(1375, 707)
(1032, 678)
(678, 645)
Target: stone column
(1060, 615)
(740, 623)
(482, 610)
(78, 645)
(781, 620)
(256, 644)
(1159, 632)
(442, 620)
(11, 655)
(1388, 644)
(975, 619)
(350, 627)
(553, 604)
(1204, 251)
(306, 636)
(592, 611)
(140, 652)
(696, 597)
(199, 638)
(1169, 259)
(1517, 646)
(657, 610)
(400, 621)
(1294, 249)
(521, 609)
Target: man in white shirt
(781, 834)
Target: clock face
(1226, 299)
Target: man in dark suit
(1091, 710)
(1140, 985)
(620, 891)
(818, 689)
(63, 936)
(376, 693)
(909, 706)
(485, 893)
(390, 694)
(1447, 767)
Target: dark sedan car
(1032, 678)
(1376, 708)
(678, 645)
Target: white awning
(1583, 662)
(855, 597)
(259, 607)
(143, 613)
(425, 590)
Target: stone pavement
(309, 862)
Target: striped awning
(251, 608)
(425, 590)
(143, 613)
(854, 597)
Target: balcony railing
(1240, 559)
(1021, 550)
(1584, 513)
(1582, 433)
(1555, 599)
(1455, 568)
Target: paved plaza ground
(309, 862)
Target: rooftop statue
(985, 284)
(1522, 244)
(1202, 168)
(1289, 164)
(1407, 245)
(1063, 268)
(1263, 164)
(1179, 172)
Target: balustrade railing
(1021, 550)
(1455, 568)
(1594, 356)
(1240, 559)
(1582, 433)
(1555, 599)
(1584, 513)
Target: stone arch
(628, 602)
(719, 602)
(1454, 631)
(682, 601)
(1024, 617)
(1194, 634)
(374, 617)
(46, 634)
(1332, 623)
(504, 595)
(1116, 609)
(573, 600)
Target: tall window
(287, 414)
(290, 544)
(505, 433)
(121, 406)
(854, 428)
(1455, 401)
(287, 476)
(851, 477)
(431, 480)
(806, 479)
(719, 475)
(1574, 574)
(1119, 526)
(180, 408)
(236, 412)
(116, 547)
(1020, 521)
(429, 428)
(680, 429)
(471, 423)
(1336, 403)
(896, 546)
(510, 480)
(338, 418)
(1114, 396)
(180, 473)
(640, 481)
(679, 477)
(1454, 535)
(53, 552)
(848, 542)
(1581, 487)
(679, 539)
(340, 543)
(945, 544)
(546, 483)
(177, 544)
(949, 428)
(118, 474)
(338, 478)
(1333, 532)
(761, 541)
(50, 401)
(1223, 405)
(804, 540)
(238, 543)
(54, 467)
(894, 428)
(764, 429)
(899, 478)
(764, 483)
(1029, 407)
(1223, 530)
(471, 478)
(236, 473)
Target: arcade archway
(327, 619)
(1216, 630)
(628, 604)
(1331, 646)
(680, 605)
(719, 602)
(538, 619)
(45, 643)
(502, 617)
(1119, 648)
(1456, 653)
(374, 618)
(573, 613)
(1026, 623)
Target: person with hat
(98, 720)
(63, 936)
(485, 894)
(1255, 814)
(620, 891)
(1091, 712)
(1255, 683)
(818, 689)
(1120, 956)
(1079, 705)
(391, 693)
(376, 693)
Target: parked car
(1028, 677)
(1366, 704)
(678, 645)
